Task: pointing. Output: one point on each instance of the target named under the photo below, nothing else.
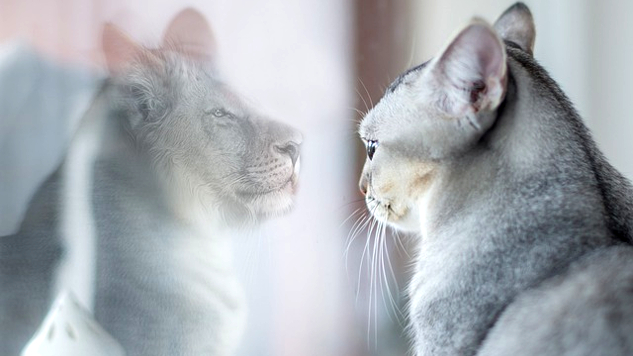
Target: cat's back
(585, 310)
(567, 154)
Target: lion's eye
(219, 112)
(371, 148)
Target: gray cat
(525, 229)
(167, 161)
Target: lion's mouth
(270, 200)
(289, 186)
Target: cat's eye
(371, 148)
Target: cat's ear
(470, 74)
(190, 33)
(516, 25)
(120, 50)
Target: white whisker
(368, 95)
(363, 99)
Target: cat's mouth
(380, 210)
(401, 217)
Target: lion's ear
(190, 33)
(120, 50)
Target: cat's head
(435, 112)
(208, 143)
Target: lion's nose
(291, 149)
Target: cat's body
(167, 162)
(525, 228)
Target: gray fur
(517, 25)
(525, 228)
(180, 161)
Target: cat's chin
(408, 225)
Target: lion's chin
(248, 209)
(273, 203)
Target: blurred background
(317, 65)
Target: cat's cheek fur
(394, 201)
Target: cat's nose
(291, 149)
(362, 185)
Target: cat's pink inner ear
(120, 50)
(472, 69)
(190, 33)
